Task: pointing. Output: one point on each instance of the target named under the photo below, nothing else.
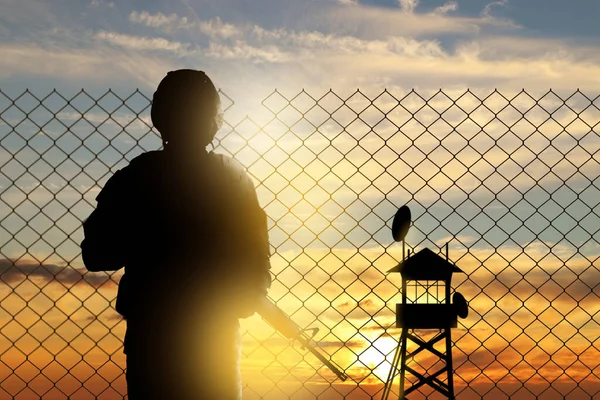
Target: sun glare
(379, 356)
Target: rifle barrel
(281, 322)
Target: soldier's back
(175, 290)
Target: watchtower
(426, 288)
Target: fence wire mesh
(511, 182)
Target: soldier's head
(186, 109)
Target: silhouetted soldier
(187, 226)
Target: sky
(252, 48)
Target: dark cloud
(111, 317)
(348, 305)
(14, 271)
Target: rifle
(282, 323)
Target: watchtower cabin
(426, 284)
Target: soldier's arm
(261, 268)
(104, 247)
(251, 244)
(257, 241)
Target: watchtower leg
(449, 365)
(403, 338)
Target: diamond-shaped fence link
(512, 183)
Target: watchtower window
(425, 292)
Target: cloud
(366, 22)
(306, 50)
(240, 50)
(126, 119)
(88, 66)
(408, 6)
(144, 43)
(214, 27)
(369, 22)
(487, 10)
(99, 3)
(486, 14)
(158, 20)
(446, 8)
(396, 56)
(273, 45)
(335, 40)
(308, 40)
(313, 44)
(349, 306)
(15, 271)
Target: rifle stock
(282, 323)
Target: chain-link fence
(511, 182)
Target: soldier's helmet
(186, 108)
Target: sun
(379, 356)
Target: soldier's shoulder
(123, 178)
(145, 165)
(147, 159)
(230, 167)
(234, 172)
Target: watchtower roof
(426, 266)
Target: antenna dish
(401, 223)
(460, 305)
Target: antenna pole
(446, 251)
(403, 253)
